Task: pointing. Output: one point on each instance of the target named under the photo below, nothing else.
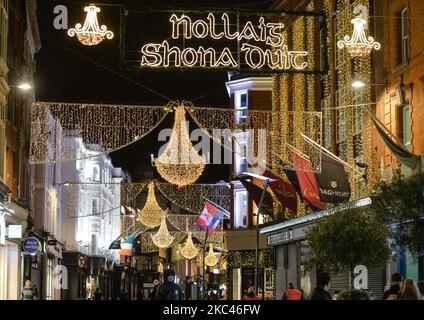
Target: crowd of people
(400, 289)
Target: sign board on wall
(280, 237)
(14, 231)
(220, 40)
(31, 245)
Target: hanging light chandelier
(151, 215)
(211, 259)
(163, 238)
(189, 251)
(358, 44)
(180, 163)
(90, 34)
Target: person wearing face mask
(169, 290)
(323, 285)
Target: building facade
(246, 93)
(19, 42)
(399, 93)
(91, 215)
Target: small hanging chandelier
(163, 238)
(358, 44)
(180, 163)
(151, 215)
(90, 34)
(211, 259)
(189, 251)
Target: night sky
(67, 71)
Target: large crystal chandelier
(90, 34)
(189, 251)
(180, 163)
(162, 238)
(358, 44)
(151, 215)
(211, 259)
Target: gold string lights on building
(358, 44)
(152, 214)
(91, 34)
(162, 238)
(180, 163)
(189, 251)
(211, 259)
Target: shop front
(13, 223)
(292, 253)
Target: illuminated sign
(259, 45)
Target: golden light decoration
(211, 259)
(180, 163)
(152, 214)
(163, 238)
(189, 251)
(359, 45)
(90, 34)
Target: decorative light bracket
(358, 44)
(90, 34)
(189, 251)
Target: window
(240, 209)
(406, 128)
(241, 105)
(96, 173)
(240, 156)
(95, 207)
(402, 36)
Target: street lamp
(24, 86)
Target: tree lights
(358, 44)
(91, 34)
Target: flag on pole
(209, 218)
(126, 247)
(333, 182)
(307, 182)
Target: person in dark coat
(323, 284)
(97, 294)
(169, 290)
(394, 290)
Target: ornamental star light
(90, 34)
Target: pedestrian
(394, 290)
(169, 290)
(97, 294)
(409, 290)
(140, 295)
(250, 295)
(336, 295)
(123, 295)
(420, 285)
(29, 292)
(323, 285)
(292, 293)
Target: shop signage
(256, 44)
(14, 231)
(31, 245)
(281, 237)
(2, 230)
(52, 242)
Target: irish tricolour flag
(126, 246)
